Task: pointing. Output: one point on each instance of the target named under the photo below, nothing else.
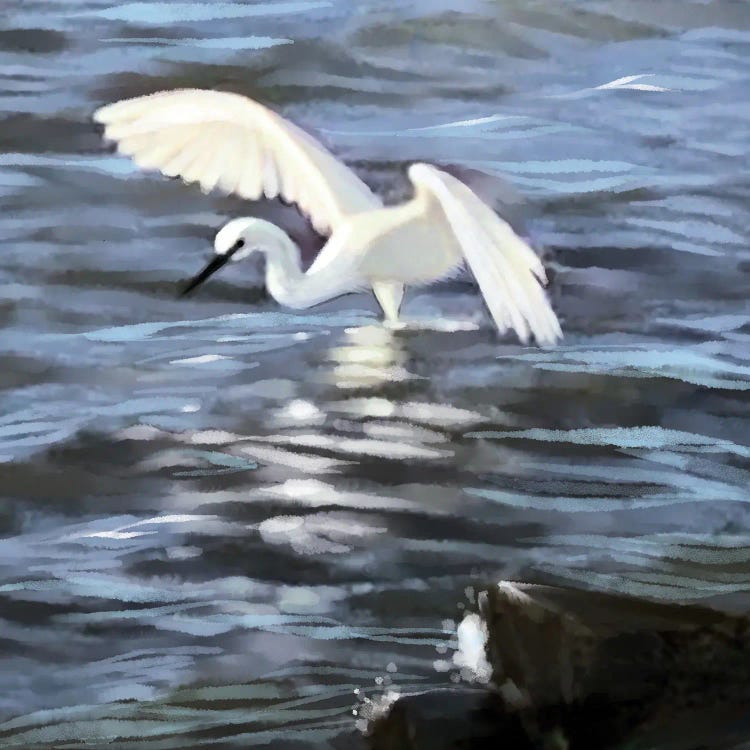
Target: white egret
(227, 141)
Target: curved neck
(284, 274)
(283, 265)
(285, 279)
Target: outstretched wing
(227, 141)
(509, 273)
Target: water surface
(227, 524)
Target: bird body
(232, 143)
(383, 239)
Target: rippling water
(226, 523)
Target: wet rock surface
(578, 669)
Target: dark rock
(595, 658)
(589, 671)
(553, 646)
(448, 720)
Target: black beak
(213, 266)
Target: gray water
(227, 524)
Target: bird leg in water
(389, 295)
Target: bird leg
(389, 295)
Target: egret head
(235, 241)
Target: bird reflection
(369, 356)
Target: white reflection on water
(368, 356)
(323, 533)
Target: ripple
(149, 13)
(220, 505)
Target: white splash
(371, 709)
(470, 656)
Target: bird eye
(240, 243)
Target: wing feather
(232, 143)
(270, 175)
(508, 271)
(229, 178)
(250, 185)
(151, 153)
(203, 154)
(223, 162)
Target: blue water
(221, 518)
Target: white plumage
(228, 142)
